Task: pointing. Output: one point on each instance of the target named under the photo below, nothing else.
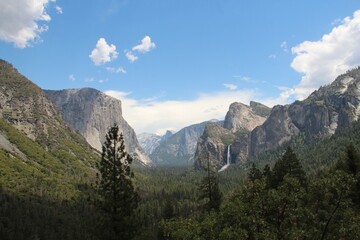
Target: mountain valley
(50, 144)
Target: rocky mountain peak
(167, 135)
(260, 109)
(242, 117)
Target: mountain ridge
(39, 152)
(327, 109)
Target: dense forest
(302, 191)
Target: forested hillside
(282, 203)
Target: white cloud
(59, 9)
(72, 77)
(171, 114)
(322, 61)
(22, 21)
(284, 46)
(145, 46)
(116, 70)
(103, 52)
(230, 86)
(130, 56)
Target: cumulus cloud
(116, 70)
(230, 86)
(145, 46)
(171, 114)
(130, 56)
(322, 61)
(103, 52)
(22, 21)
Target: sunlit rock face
(240, 120)
(92, 112)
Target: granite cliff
(91, 112)
(331, 107)
(240, 120)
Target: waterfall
(228, 160)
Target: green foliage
(254, 173)
(180, 229)
(165, 159)
(350, 162)
(241, 132)
(42, 173)
(295, 208)
(210, 193)
(227, 139)
(314, 156)
(119, 199)
(288, 164)
(38, 218)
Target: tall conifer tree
(209, 189)
(118, 194)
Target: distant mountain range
(150, 141)
(179, 148)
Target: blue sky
(175, 63)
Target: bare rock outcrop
(92, 112)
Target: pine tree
(351, 162)
(288, 164)
(254, 173)
(119, 197)
(209, 189)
